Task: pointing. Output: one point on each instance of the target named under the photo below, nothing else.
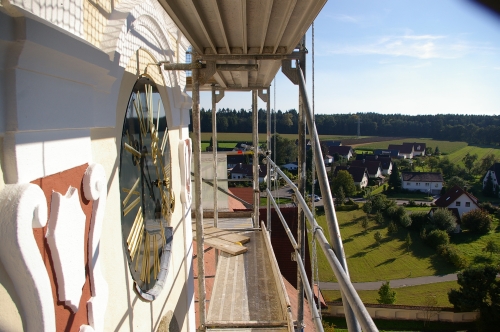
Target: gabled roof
(341, 150)
(422, 177)
(236, 159)
(406, 149)
(357, 173)
(385, 161)
(372, 166)
(418, 147)
(452, 195)
(495, 168)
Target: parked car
(316, 197)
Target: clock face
(147, 200)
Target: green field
(446, 147)
(368, 262)
(457, 156)
(411, 295)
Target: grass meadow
(411, 295)
(369, 262)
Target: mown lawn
(446, 147)
(411, 295)
(368, 262)
(457, 156)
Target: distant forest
(474, 129)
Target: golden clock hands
(132, 150)
(131, 206)
(138, 111)
(131, 192)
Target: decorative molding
(22, 208)
(66, 238)
(94, 188)
(185, 166)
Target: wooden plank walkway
(245, 296)
(224, 240)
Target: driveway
(396, 283)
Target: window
(436, 185)
(427, 184)
(467, 204)
(457, 203)
(418, 183)
(407, 183)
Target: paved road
(396, 283)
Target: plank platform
(245, 296)
(224, 240)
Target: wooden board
(225, 246)
(225, 235)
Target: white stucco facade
(66, 73)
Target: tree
(345, 181)
(477, 221)
(392, 228)
(436, 238)
(395, 178)
(339, 197)
(455, 181)
(433, 163)
(469, 161)
(367, 207)
(486, 163)
(437, 151)
(430, 308)
(408, 242)
(378, 237)
(429, 150)
(379, 218)
(491, 247)
(386, 294)
(443, 219)
(364, 223)
(286, 150)
(479, 290)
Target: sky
(395, 57)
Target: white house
(494, 172)
(426, 182)
(245, 171)
(459, 199)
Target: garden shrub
(418, 220)
(477, 221)
(489, 207)
(453, 255)
(437, 238)
(392, 228)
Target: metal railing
(345, 284)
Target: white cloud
(411, 45)
(346, 18)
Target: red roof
(452, 195)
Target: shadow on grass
(464, 237)
(359, 254)
(483, 260)
(387, 261)
(348, 240)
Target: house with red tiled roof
(457, 198)
(359, 174)
(427, 182)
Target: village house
(372, 166)
(359, 175)
(331, 143)
(405, 151)
(494, 171)
(426, 182)
(459, 199)
(386, 153)
(245, 171)
(418, 148)
(385, 162)
(344, 151)
(291, 167)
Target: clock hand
(149, 182)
